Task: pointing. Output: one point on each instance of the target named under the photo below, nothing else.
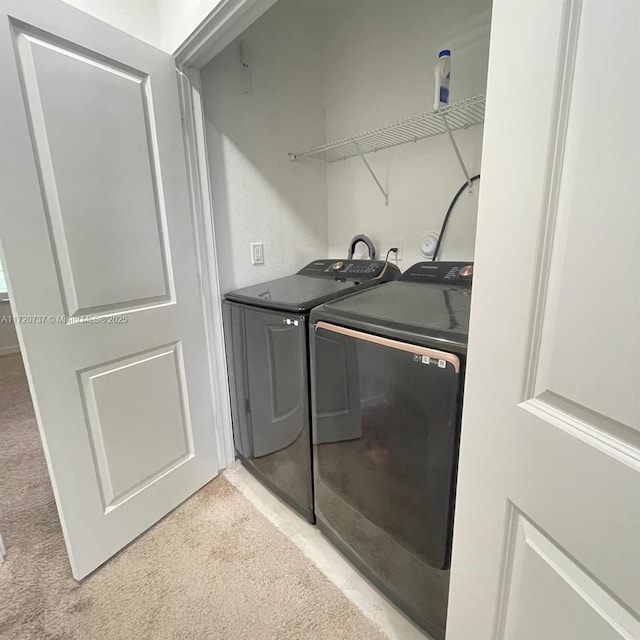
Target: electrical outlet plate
(397, 242)
(257, 253)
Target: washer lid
(292, 293)
(438, 313)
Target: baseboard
(5, 351)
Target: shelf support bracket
(458, 155)
(375, 177)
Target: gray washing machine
(266, 336)
(387, 378)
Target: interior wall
(8, 336)
(137, 17)
(179, 18)
(166, 24)
(258, 194)
(323, 70)
(380, 58)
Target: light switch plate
(257, 253)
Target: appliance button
(466, 271)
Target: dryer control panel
(454, 273)
(351, 270)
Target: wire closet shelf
(460, 115)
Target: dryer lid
(406, 310)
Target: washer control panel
(351, 269)
(454, 273)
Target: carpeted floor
(215, 568)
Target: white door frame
(227, 21)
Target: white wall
(179, 18)
(380, 58)
(258, 194)
(162, 23)
(137, 17)
(8, 336)
(325, 69)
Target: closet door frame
(225, 23)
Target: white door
(547, 530)
(97, 232)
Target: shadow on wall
(253, 119)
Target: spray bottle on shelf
(443, 76)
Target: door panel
(548, 510)
(549, 595)
(87, 222)
(99, 243)
(584, 298)
(137, 437)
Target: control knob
(466, 271)
(337, 266)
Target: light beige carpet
(214, 568)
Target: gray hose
(367, 241)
